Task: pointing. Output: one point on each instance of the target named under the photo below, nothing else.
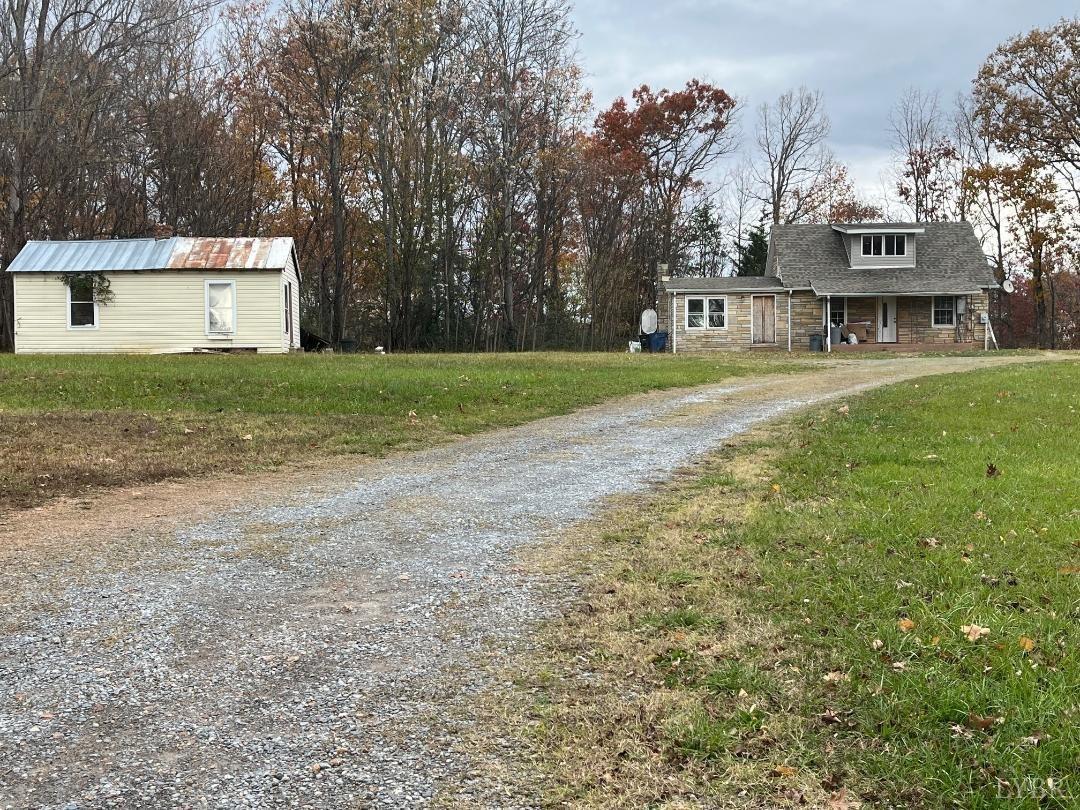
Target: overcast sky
(860, 55)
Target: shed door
(764, 314)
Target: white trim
(884, 227)
(97, 313)
(883, 235)
(933, 313)
(705, 312)
(764, 295)
(735, 291)
(206, 310)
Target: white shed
(173, 295)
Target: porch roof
(726, 284)
(874, 290)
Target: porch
(904, 323)
(901, 348)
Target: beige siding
(151, 312)
(291, 276)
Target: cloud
(861, 55)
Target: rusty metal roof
(177, 253)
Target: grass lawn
(70, 423)
(879, 607)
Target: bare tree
(792, 153)
(64, 67)
(980, 197)
(926, 176)
(518, 41)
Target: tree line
(445, 179)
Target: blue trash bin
(658, 342)
(817, 343)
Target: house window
(288, 307)
(697, 309)
(220, 307)
(82, 308)
(884, 244)
(944, 310)
(838, 311)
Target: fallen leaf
(980, 722)
(840, 801)
(899, 666)
(782, 770)
(843, 409)
(906, 625)
(776, 488)
(835, 677)
(877, 644)
(1027, 644)
(974, 632)
(246, 437)
(830, 718)
(992, 471)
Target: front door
(764, 318)
(887, 319)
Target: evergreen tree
(753, 253)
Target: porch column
(789, 320)
(828, 323)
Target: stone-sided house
(885, 283)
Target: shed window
(220, 307)
(697, 309)
(288, 307)
(82, 309)
(944, 310)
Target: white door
(887, 319)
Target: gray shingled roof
(949, 260)
(726, 284)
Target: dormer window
(884, 244)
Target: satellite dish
(648, 321)
(1008, 286)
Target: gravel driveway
(324, 652)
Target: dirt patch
(77, 455)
